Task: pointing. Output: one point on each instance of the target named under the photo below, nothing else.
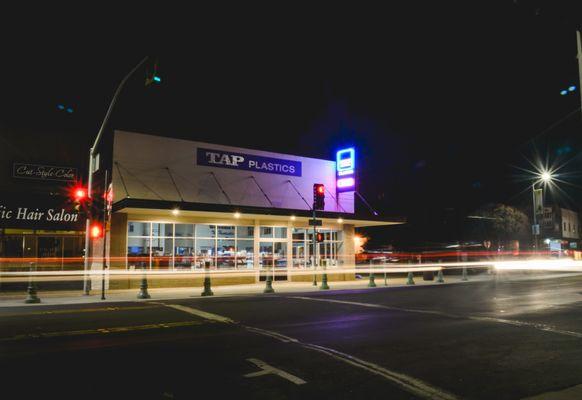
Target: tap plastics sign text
(248, 162)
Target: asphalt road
(506, 339)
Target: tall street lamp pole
(545, 177)
(86, 286)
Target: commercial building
(37, 217)
(180, 205)
(561, 229)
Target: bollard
(324, 285)
(410, 280)
(207, 284)
(385, 279)
(143, 287)
(440, 277)
(314, 273)
(32, 297)
(465, 277)
(372, 282)
(269, 283)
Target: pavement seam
(540, 327)
(77, 311)
(404, 382)
(119, 329)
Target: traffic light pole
(314, 255)
(87, 287)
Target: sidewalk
(76, 297)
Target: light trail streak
(559, 265)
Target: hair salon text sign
(43, 172)
(247, 162)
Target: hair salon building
(178, 205)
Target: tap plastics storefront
(179, 205)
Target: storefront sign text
(248, 162)
(43, 172)
(30, 214)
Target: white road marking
(267, 369)
(200, 313)
(540, 327)
(412, 385)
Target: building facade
(38, 220)
(561, 229)
(180, 205)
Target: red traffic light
(79, 193)
(96, 231)
(319, 237)
(318, 196)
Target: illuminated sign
(345, 168)
(346, 182)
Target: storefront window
(205, 251)
(225, 231)
(162, 230)
(173, 246)
(280, 233)
(184, 253)
(225, 253)
(138, 253)
(244, 253)
(184, 230)
(266, 232)
(245, 232)
(138, 229)
(206, 231)
(162, 253)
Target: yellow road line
(80, 310)
(119, 329)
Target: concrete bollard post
(465, 277)
(324, 285)
(269, 283)
(410, 279)
(143, 287)
(372, 282)
(207, 284)
(32, 297)
(440, 276)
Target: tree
(502, 223)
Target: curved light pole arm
(104, 123)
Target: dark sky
(441, 101)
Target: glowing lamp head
(546, 176)
(237, 214)
(175, 211)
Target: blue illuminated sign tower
(346, 170)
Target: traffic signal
(318, 196)
(152, 76)
(319, 237)
(96, 230)
(79, 197)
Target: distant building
(561, 228)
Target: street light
(544, 177)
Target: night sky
(441, 101)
